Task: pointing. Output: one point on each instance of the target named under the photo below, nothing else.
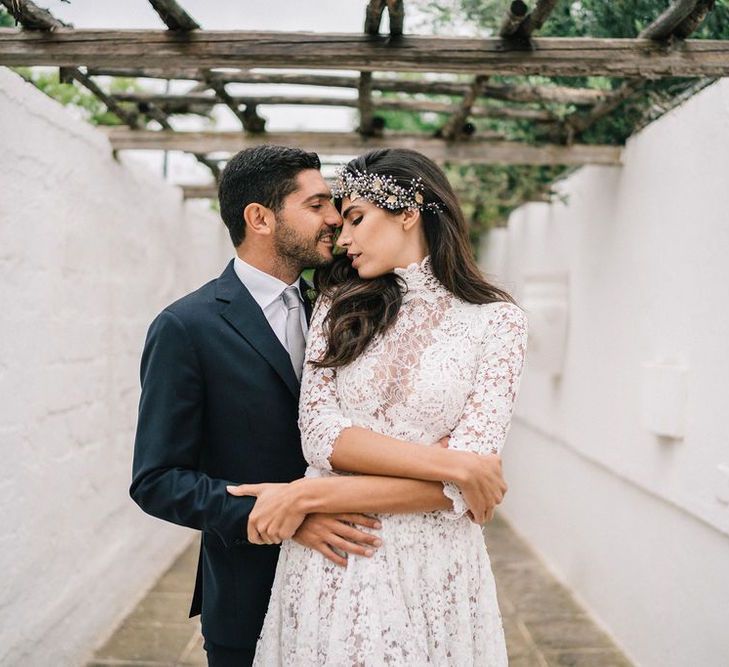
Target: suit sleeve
(166, 481)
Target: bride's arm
(486, 418)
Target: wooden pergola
(213, 60)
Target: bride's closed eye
(357, 221)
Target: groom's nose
(333, 219)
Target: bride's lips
(353, 258)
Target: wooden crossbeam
(33, 17)
(553, 56)
(210, 191)
(179, 103)
(174, 16)
(335, 143)
(498, 91)
(679, 18)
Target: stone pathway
(544, 626)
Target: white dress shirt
(267, 291)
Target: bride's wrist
(461, 472)
(449, 465)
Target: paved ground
(543, 624)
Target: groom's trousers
(222, 656)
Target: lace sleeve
(486, 417)
(320, 418)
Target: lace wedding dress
(427, 596)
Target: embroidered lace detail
(427, 596)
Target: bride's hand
(480, 479)
(276, 516)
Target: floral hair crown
(382, 190)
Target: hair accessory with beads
(382, 190)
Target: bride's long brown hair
(362, 308)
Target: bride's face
(376, 240)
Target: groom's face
(306, 223)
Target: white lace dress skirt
(426, 597)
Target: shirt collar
(264, 287)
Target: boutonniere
(311, 295)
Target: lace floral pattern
(427, 596)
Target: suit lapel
(243, 313)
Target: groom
(220, 381)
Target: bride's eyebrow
(348, 210)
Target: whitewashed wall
(618, 458)
(90, 250)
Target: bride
(408, 345)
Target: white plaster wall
(635, 523)
(90, 250)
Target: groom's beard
(300, 252)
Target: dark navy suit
(218, 406)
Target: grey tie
(295, 340)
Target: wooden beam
(515, 14)
(521, 24)
(373, 16)
(364, 103)
(197, 101)
(396, 14)
(127, 117)
(694, 19)
(374, 12)
(454, 126)
(553, 56)
(152, 111)
(334, 143)
(576, 123)
(498, 91)
(675, 18)
(663, 27)
(535, 19)
(32, 17)
(210, 191)
(174, 16)
(207, 191)
(249, 118)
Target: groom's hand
(325, 532)
(275, 516)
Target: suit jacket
(218, 406)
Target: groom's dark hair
(264, 175)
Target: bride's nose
(344, 241)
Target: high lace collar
(419, 279)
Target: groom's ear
(259, 219)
